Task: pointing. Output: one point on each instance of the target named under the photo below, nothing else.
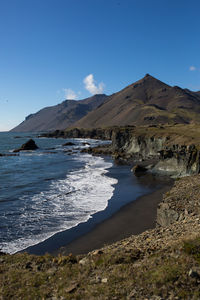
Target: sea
(52, 189)
(49, 190)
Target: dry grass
(176, 133)
(103, 276)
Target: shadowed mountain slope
(59, 116)
(147, 101)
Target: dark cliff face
(180, 159)
(98, 133)
(174, 159)
(172, 156)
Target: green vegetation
(192, 247)
(113, 274)
(141, 267)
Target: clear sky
(51, 50)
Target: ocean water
(50, 190)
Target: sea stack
(29, 145)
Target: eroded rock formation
(166, 149)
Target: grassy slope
(110, 275)
(162, 262)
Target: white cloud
(70, 94)
(91, 86)
(192, 68)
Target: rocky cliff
(172, 155)
(96, 133)
(172, 150)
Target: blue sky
(54, 49)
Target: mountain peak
(147, 75)
(149, 82)
(145, 102)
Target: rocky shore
(180, 202)
(161, 263)
(171, 150)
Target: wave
(64, 205)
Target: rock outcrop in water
(29, 145)
(8, 154)
(69, 144)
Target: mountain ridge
(59, 116)
(147, 101)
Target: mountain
(59, 116)
(147, 101)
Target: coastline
(131, 210)
(132, 219)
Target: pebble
(72, 288)
(84, 261)
(97, 252)
(193, 274)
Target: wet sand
(131, 210)
(134, 218)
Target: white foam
(67, 203)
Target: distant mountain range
(59, 116)
(147, 101)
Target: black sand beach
(131, 210)
(134, 218)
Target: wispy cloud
(192, 68)
(92, 86)
(70, 94)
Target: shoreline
(132, 219)
(131, 210)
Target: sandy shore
(133, 218)
(131, 210)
